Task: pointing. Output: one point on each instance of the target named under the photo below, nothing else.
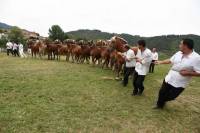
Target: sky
(136, 17)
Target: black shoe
(134, 94)
(124, 85)
(157, 107)
(140, 93)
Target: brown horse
(101, 43)
(69, 41)
(113, 59)
(116, 59)
(63, 50)
(85, 53)
(76, 53)
(70, 49)
(117, 43)
(52, 49)
(96, 54)
(119, 62)
(33, 45)
(42, 49)
(105, 56)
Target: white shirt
(154, 56)
(15, 46)
(9, 45)
(130, 55)
(20, 47)
(146, 56)
(180, 62)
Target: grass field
(49, 96)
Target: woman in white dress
(21, 51)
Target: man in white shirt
(185, 65)
(15, 49)
(9, 46)
(154, 58)
(143, 62)
(129, 67)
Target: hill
(4, 26)
(165, 43)
(50, 96)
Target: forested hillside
(165, 43)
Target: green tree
(16, 35)
(56, 32)
(3, 41)
(1, 30)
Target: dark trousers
(138, 84)
(168, 93)
(127, 72)
(15, 52)
(151, 67)
(9, 51)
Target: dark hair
(127, 47)
(142, 43)
(189, 43)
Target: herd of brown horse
(107, 53)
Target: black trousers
(168, 93)
(138, 83)
(151, 67)
(127, 72)
(9, 51)
(15, 52)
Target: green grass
(50, 96)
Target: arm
(189, 73)
(195, 72)
(147, 59)
(130, 56)
(167, 61)
(157, 56)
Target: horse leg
(88, 60)
(54, 56)
(84, 58)
(66, 57)
(35, 54)
(72, 58)
(93, 61)
(103, 64)
(51, 57)
(32, 53)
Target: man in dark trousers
(15, 49)
(9, 46)
(154, 59)
(185, 65)
(129, 66)
(143, 61)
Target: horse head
(118, 43)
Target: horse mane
(114, 38)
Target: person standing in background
(15, 49)
(154, 59)
(9, 46)
(130, 62)
(143, 61)
(21, 51)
